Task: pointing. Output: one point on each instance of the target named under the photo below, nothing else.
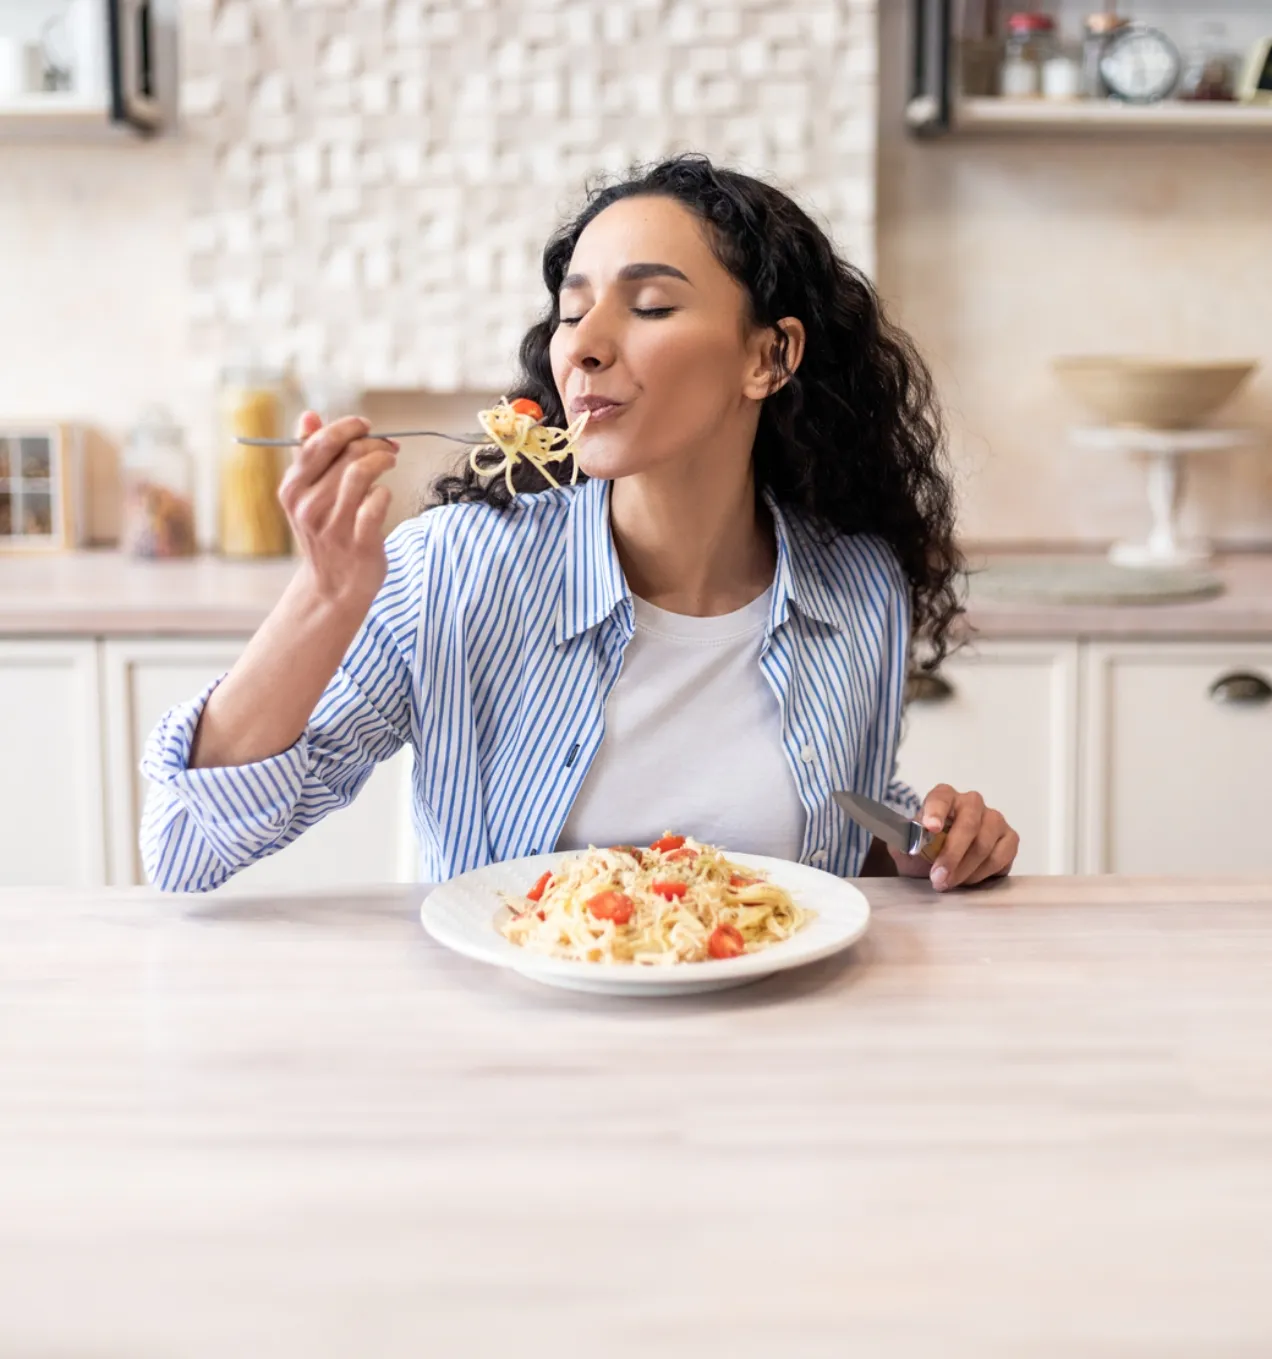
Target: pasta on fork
(516, 431)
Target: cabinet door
(369, 841)
(1001, 718)
(52, 828)
(1177, 754)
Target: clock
(1140, 65)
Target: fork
(396, 434)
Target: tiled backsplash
(373, 183)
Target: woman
(710, 633)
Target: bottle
(1030, 44)
(253, 404)
(1061, 76)
(158, 483)
(1098, 29)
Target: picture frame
(1255, 85)
(41, 486)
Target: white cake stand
(1167, 452)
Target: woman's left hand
(979, 844)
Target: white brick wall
(373, 181)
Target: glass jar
(253, 404)
(1211, 70)
(158, 483)
(1031, 43)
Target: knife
(910, 837)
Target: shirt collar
(800, 578)
(593, 584)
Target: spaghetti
(678, 901)
(516, 432)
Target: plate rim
(539, 966)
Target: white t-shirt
(693, 741)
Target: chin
(607, 458)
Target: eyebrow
(629, 273)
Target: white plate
(465, 913)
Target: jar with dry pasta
(253, 404)
(158, 481)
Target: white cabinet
(369, 841)
(51, 829)
(1000, 718)
(1136, 757)
(1177, 754)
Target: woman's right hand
(336, 509)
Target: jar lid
(156, 420)
(1030, 22)
(1105, 23)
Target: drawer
(1001, 719)
(1176, 758)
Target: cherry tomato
(726, 942)
(541, 914)
(670, 890)
(537, 891)
(677, 855)
(737, 880)
(524, 406)
(611, 905)
(668, 843)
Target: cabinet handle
(1241, 688)
(924, 688)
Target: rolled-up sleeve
(200, 826)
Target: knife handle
(933, 847)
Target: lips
(594, 405)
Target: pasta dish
(516, 432)
(676, 902)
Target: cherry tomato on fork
(611, 905)
(524, 406)
(670, 890)
(726, 942)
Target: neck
(693, 544)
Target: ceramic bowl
(1151, 393)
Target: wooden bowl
(1151, 393)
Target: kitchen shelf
(1107, 115)
(59, 117)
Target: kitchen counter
(105, 594)
(1033, 1120)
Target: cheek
(688, 369)
(557, 361)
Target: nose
(591, 347)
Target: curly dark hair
(852, 440)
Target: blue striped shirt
(491, 649)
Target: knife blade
(910, 837)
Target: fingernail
(934, 823)
(394, 445)
(940, 878)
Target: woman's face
(654, 338)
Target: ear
(764, 375)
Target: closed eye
(649, 313)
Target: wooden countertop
(104, 593)
(1031, 1121)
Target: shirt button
(808, 754)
